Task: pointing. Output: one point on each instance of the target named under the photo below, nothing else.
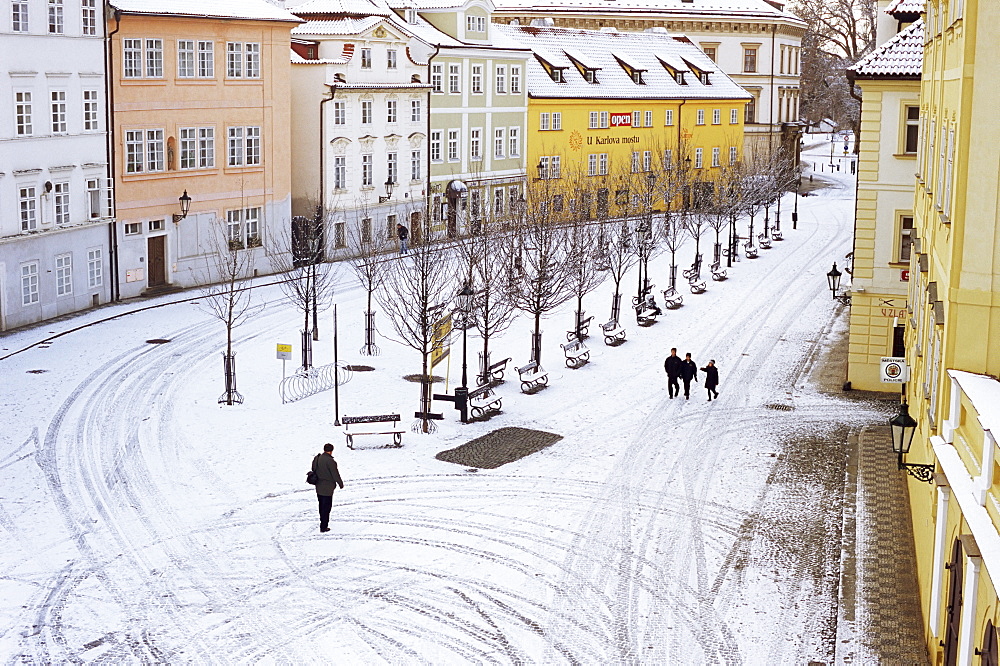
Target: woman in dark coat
(711, 379)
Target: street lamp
(798, 186)
(389, 186)
(464, 301)
(833, 281)
(185, 202)
(903, 428)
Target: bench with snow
(493, 374)
(764, 242)
(672, 299)
(584, 330)
(532, 376)
(484, 400)
(697, 286)
(776, 235)
(576, 352)
(751, 251)
(613, 332)
(695, 271)
(646, 312)
(718, 273)
(736, 254)
(394, 430)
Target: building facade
(756, 43)
(201, 107)
(889, 79)
(55, 223)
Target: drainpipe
(322, 147)
(679, 126)
(109, 102)
(770, 105)
(427, 197)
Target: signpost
(440, 340)
(893, 370)
(284, 354)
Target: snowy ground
(144, 522)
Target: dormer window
(703, 77)
(557, 76)
(590, 75)
(555, 73)
(633, 73)
(679, 78)
(637, 77)
(411, 15)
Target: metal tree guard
(231, 395)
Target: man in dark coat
(673, 367)
(689, 371)
(403, 233)
(326, 470)
(711, 379)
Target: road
(149, 524)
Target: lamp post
(798, 186)
(464, 300)
(389, 186)
(185, 202)
(833, 281)
(903, 427)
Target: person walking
(673, 367)
(403, 233)
(326, 470)
(689, 371)
(711, 379)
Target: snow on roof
(905, 7)
(299, 60)
(903, 55)
(335, 7)
(699, 8)
(607, 50)
(426, 4)
(258, 10)
(344, 26)
(983, 392)
(426, 32)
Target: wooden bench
(695, 271)
(532, 376)
(764, 242)
(584, 330)
(672, 299)
(484, 400)
(718, 273)
(395, 431)
(613, 332)
(494, 373)
(576, 352)
(751, 251)
(776, 235)
(646, 315)
(697, 286)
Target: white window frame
(499, 143)
(515, 80)
(416, 111)
(454, 137)
(95, 268)
(367, 171)
(514, 141)
(668, 118)
(734, 116)
(340, 113)
(390, 59)
(366, 112)
(64, 274)
(206, 59)
(252, 52)
(391, 111)
(19, 16)
(699, 158)
(501, 79)
(716, 116)
(700, 117)
(436, 146)
(476, 143)
(602, 164)
(594, 120)
(648, 119)
(716, 154)
(339, 172)
(234, 60)
(29, 283)
(733, 155)
(437, 78)
(91, 110)
(366, 58)
(56, 17)
(476, 87)
(543, 121)
(556, 120)
(61, 203)
(27, 207)
(391, 167)
(132, 58)
(186, 59)
(416, 165)
(23, 113)
(94, 198)
(592, 164)
(454, 78)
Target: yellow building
(953, 333)
(601, 104)
(889, 79)
(200, 106)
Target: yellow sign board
(284, 352)
(440, 345)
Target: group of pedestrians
(685, 370)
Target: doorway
(951, 631)
(156, 255)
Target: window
(437, 74)
(29, 283)
(252, 50)
(436, 146)
(95, 268)
(647, 160)
(339, 234)
(22, 113)
(733, 155)
(88, 10)
(390, 59)
(131, 58)
(366, 112)
(189, 147)
(637, 77)
(669, 119)
(206, 147)
(154, 150)
(206, 59)
(154, 58)
(156, 225)
(366, 171)
(715, 156)
(94, 197)
(415, 165)
(501, 79)
(716, 116)
(699, 158)
(498, 202)
(592, 164)
(366, 58)
(185, 58)
(635, 162)
(750, 115)
(602, 164)
(19, 16)
(390, 111)
(234, 60)
(543, 121)
(58, 98)
(243, 228)
(550, 167)
(514, 134)
(475, 23)
(134, 159)
(133, 228)
(557, 120)
(710, 52)
(637, 119)
(905, 238)
(243, 146)
(477, 79)
(734, 116)
(61, 195)
(701, 117)
(55, 17)
(557, 76)
(64, 275)
(366, 230)
(453, 144)
(604, 119)
(912, 131)
(89, 111)
(594, 120)
(415, 111)
(475, 144)
(454, 77)
(391, 167)
(340, 113)
(749, 60)
(498, 143)
(515, 80)
(339, 172)
(27, 206)
(648, 120)
(668, 158)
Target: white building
(54, 224)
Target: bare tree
(415, 291)
(369, 258)
(674, 191)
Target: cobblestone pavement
(499, 447)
